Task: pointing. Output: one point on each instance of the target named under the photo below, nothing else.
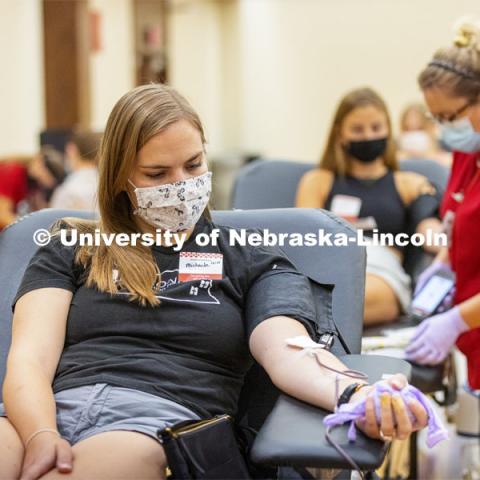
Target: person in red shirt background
(451, 86)
(27, 183)
(13, 188)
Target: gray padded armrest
(16, 249)
(294, 435)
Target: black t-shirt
(193, 347)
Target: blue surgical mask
(460, 136)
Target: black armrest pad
(293, 433)
(427, 378)
(376, 365)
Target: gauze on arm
(349, 412)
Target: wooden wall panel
(66, 57)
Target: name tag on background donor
(347, 207)
(200, 266)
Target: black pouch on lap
(205, 449)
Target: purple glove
(435, 336)
(428, 273)
(349, 412)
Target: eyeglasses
(440, 118)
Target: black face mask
(367, 151)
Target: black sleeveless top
(380, 200)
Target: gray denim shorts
(88, 410)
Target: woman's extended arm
(302, 377)
(38, 337)
(470, 311)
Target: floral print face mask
(174, 206)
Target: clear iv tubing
(356, 374)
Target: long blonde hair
(139, 115)
(456, 69)
(334, 158)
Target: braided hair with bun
(457, 68)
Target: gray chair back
(273, 183)
(436, 173)
(16, 249)
(268, 184)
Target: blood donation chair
(273, 184)
(291, 432)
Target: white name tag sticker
(366, 223)
(200, 266)
(346, 206)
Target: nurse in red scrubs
(451, 86)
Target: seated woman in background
(46, 172)
(78, 190)
(419, 137)
(110, 344)
(358, 179)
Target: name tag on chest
(347, 207)
(200, 266)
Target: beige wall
(195, 46)
(285, 63)
(21, 78)
(112, 69)
(265, 75)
